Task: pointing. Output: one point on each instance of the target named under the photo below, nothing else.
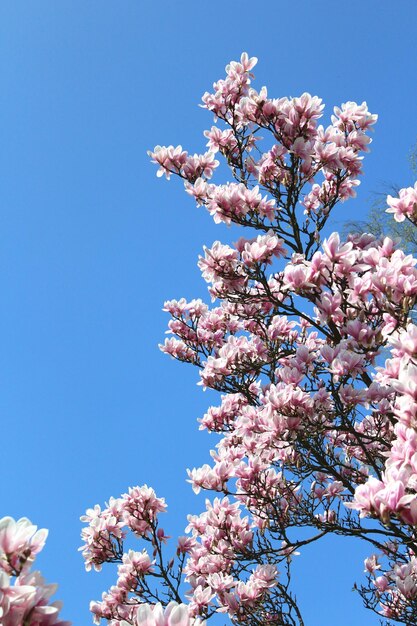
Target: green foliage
(381, 224)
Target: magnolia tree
(316, 435)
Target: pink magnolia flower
(405, 206)
(20, 542)
(174, 614)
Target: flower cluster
(137, 510)
(301, 151)
(24, 594)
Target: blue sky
(92, 243)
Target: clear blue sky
(91, 242)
